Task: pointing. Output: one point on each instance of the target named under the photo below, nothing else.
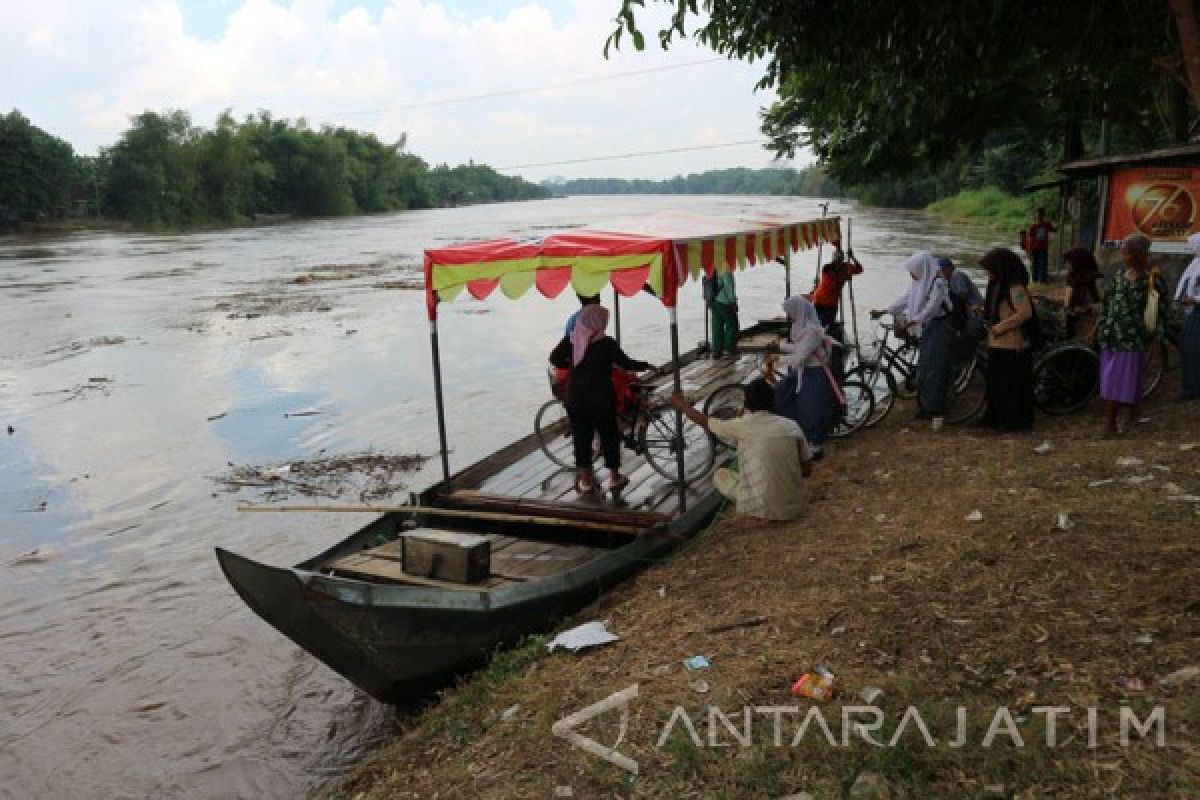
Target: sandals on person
(617, 484)
(584, 486)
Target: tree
(36, 169)
(883, 89)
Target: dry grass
(886, 584)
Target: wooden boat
(552, 551)
(396, 635)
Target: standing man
(724, 316)
(1037, 243)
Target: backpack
(709, 288)
(1031, 329)
(958, 312)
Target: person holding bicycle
(808, 393)
(924, 310)
(591, 397)
(773, 457)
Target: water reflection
(134, 367)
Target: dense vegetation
(887, 91)
(809, 182)
(166, 171)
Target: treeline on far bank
(166, 171)
(810, 181)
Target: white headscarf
(806, 326)
(1192, 272)
(923, 270)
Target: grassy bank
(886, 583)
(990, 207)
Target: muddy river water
(135, 369)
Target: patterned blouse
(1121, 327)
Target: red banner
(1160, 202)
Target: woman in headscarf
(1122, 335)
(925, 308)
(1082, 302)
(807, 393)
(1007, 308)
(591, 398)
(1187, 294)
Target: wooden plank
(533, 562)
(630, 529)
(483, 500)
(387, 570)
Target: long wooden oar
(853, 305)
(491, 516)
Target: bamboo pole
(491, 516)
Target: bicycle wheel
(554, 434)
(860, 406)
(657, 440)
(1154, 364)
(903, 368)
(968, 396)
(883, 390)
(1065, 378)
(725, 402)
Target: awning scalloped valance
(590, 260)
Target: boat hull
(399, 642)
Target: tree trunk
(1188, 24)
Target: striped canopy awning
(664, 251)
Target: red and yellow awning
(589, 260)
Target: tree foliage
(808, 182)
(36, 169)
(884, 89)
(166, 171)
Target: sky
(80, 69)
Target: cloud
(393, 69)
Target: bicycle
(891, 371)
(728, 401)
(1067, 373)
(647, 427)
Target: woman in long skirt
(807, 394)
(1010, 358)
(1187, 294)
(923, 310)
(1122, 335)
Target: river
(136, 368)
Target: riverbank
(990, 207)
(888, 584)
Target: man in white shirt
(773, 457)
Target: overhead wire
(548, 87)
(617, 156)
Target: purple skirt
(1121, 376)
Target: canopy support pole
(853, 305)
(617, 313)
(679, 440)
(437, 394)
(787, 273)
(707, 338)
(820, 246)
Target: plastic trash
(975, 516)
(696, 662)
(589, 634)
(1063, 521)
(1043, 448)
(815, 685)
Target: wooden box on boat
(446, 555)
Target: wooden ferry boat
(506, 546)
